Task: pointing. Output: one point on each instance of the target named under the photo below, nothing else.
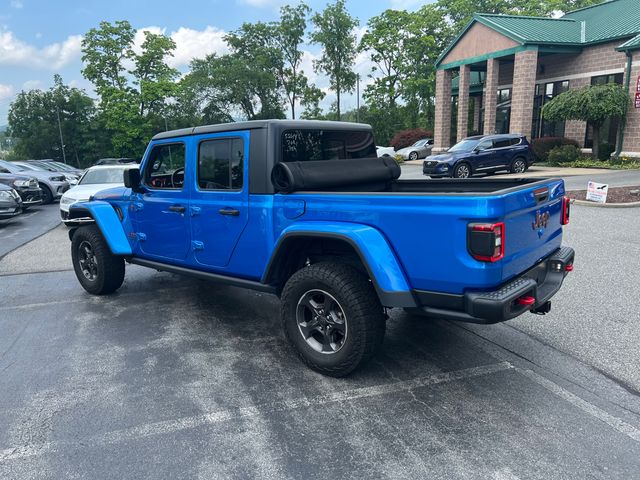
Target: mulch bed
(615, 195)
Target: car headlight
(57, 178)
(67, 200)
(5, 195)
(21, 183)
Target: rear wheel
(47, 195)
(332, 317)
(519, 165)
(97, 269)
(462, 170)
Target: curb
(605, 205)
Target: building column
(477, 100)
(491, 95)
(463, 102)
(631, 144)
(442, 133)
(523, 93)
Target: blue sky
(39, 38)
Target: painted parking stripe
(212, 418)
(614, 422)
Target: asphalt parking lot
(177, 378)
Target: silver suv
(53, 185)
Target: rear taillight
(566, 210)
(485, 241)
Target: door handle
(177, 208)
(229, 211)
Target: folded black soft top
(330, 174)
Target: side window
(4, 170)
(516, 141)
(502, 142)
(165, 167)
(220, 164)
(484, 145)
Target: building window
(609, 129)
(545, 92)
(503, 110)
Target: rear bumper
(538, 284)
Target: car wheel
(47, 196)
(519, 165)
(462, 170)
(413, 156)
(332, 317)
(97, 269)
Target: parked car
(115, 161)
(334, 238)
(72, 178)
(55, 166)
(385, 152)
(481, 154)
(94, 179)
(10, 203)
(27, 188)
(420, 149)
(53, 184)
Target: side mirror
(132, 179)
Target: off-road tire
(109, 267)
(47, 194)
(363, 311)
(514, 165)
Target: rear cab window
(301, 145)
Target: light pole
(64, 156)
(358, 98)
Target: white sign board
(597, 192)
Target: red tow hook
(568, 268)
(526, 301)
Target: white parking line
(211, 418)
(614, 422)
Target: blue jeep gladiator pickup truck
(304, 210)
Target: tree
(252, 70)
(289, 36)
(334, 32)
(593, 104)
(33, 124)
(133, 102)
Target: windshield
(464, 146)
(103, 175)
(61, 166)
(26, 166)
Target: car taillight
(485, 241)
(566, 210)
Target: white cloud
(17, 4)
(31, 85)
(262, 3)
(196, 44)
(15, 52)
(5, 91)
(190, 43)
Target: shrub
(542, 146)
(399, 159)
(409, 137)
(564, 154)
(605, 151)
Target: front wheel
(462, 170)
(47, 195)
(332, 317)
(98, 270)
(413, 156)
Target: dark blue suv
(481, 154)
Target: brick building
(498, 73)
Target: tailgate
(533, 225)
